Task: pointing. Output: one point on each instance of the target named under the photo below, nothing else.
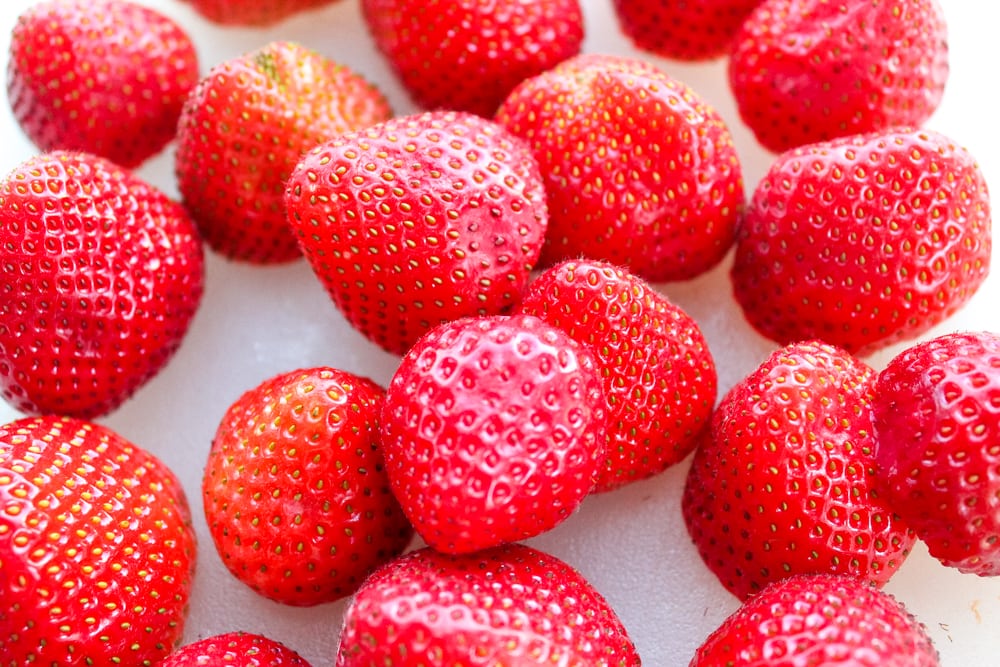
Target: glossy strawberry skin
(97, 299)
(658, 374)
(937, 417)
(234, 649)
(258, 13)
(512, 605)
(863, 241)
(107, 77)
(97, 547)
(683, 30)
(785, 482)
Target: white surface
(256, 322)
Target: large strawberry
(234, 649)
(681, 29)
(96, 546)
(102, 276)
(259, 13)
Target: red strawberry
(234, 649)
(817, 620)
(102, 76)
(295, 491)
(494, 431)
(658, 373)
(258, 13)
(419, 220)
(785, 482)
(102, 276)
(683, 30)
(512, 605)
(863, 241)
(803, 71)
(468, 56)
(639, 170)
(937, 421)
(96, 544)
(244, 128)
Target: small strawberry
(96, 546)
(468, 55)
(683, 30)
(658, 373)
(639, 170)
(419, 220)
(863, 241)
(102, 76)
(259, 13)
(295, 492)
(512, 605)
(234, 649)
(785, 483)
(102, 276)
(245, 127)
(494, 431)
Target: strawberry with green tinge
(259, 13)
(683, 30)
(234, 649)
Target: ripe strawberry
(234, 649)
(658, 373)
(103, 76)
(295, 492)
(803, 71)
(863, 241)
(785, 482)
(102, 276)
(494, 431)
(260, 13)
(96, 544)
(244, 128)
(937, 421)
(683, 30)
(467, 56)
(419, 220)
(512, 605)
(639, 170)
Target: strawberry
(683, 30)
(97, 547)
(863, 241)
(419, 220)
(512, 605)
(244, 128)
(494, 431)
(102, 276)
(295, 491)
(102, 76)
(639, 170)
(803, 71)
(785, 482)
(658, 373)
(480, 49)
(259, 13)
(937, 420)
(234, 649)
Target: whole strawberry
(234, 649)
(102, 276)
(683, 30)
(658, 373)
(419, 220)
(863, 241)
(245, 127)
(512, 605)
(103, 76)
(259, 13)
(785, 482)
(937, 420)
(295, 491)
(97, 547)
(639, 170)
(494, 431)
(803, 71)
(469, 55)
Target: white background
(256, 322)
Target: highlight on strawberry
(234, 649)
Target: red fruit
(96, 544)
(295, 491)
(467, 56)
(494, 431)
(418, 221)
(785, 483)
(803, 71)
(234, 649)
(863, 241)
(512, 605)
(245, 127)
(937, 421)
(683, 30)
(639, 170)
(658, 373)
(102, 276)
(259, 13)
